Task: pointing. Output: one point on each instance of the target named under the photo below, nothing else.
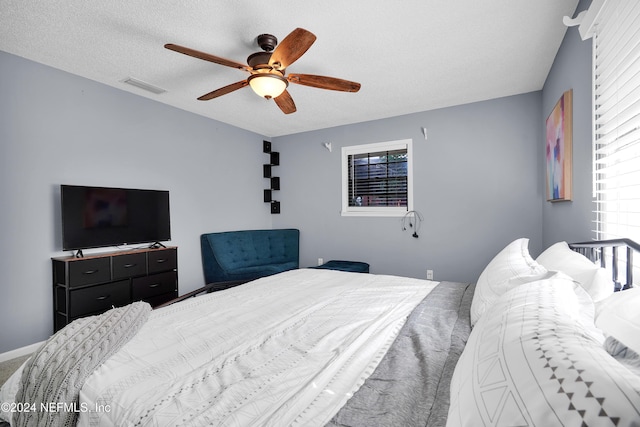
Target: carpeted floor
(9, 367)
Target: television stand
(97, 282)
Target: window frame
(376, 211)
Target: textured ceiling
(409, 56)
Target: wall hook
(572, 22)
(327, 145)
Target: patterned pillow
(511, 267)
(623, 354)
(619, 316)
(531, 361)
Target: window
(377, 179)
(616, 91)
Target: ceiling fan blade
(224, 90)
(206, 56)
(285, 102)
(291, 48)
(324, 82)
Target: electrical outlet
(320, 261)
(429, 274)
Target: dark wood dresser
(93, 284)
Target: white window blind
(616, 91)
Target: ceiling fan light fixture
(268, 85)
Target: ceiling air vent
(144, 85)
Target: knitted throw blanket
(52, 378)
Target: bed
(538, 342)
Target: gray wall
(572, 221)
(56, 128)
(479, 179)
(477, 183)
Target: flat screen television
(95, 217)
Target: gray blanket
(410, 386)
(52, 377)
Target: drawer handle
(103, 297)
(129, 265)
(90, 272)
(155, 285)
(161, 260)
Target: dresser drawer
(162, 260)
(130, 265)
(89, 271)
(99, 298)
(157, 284)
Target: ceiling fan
(268, 78)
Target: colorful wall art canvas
(559, 150)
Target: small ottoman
(354, 266)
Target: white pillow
(593, 279)
(513, 266)
(529, 362)
(619, 316)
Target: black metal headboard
(597, 250)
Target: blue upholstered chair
(240, 256)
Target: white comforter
(284, 350)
